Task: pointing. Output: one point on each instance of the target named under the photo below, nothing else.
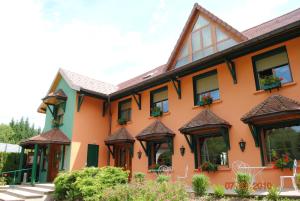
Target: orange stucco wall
(236, 100)
(90, 127)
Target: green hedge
(9, 161)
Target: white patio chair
(239, 166)
(293, 177)
(165, 169)
(185, 174)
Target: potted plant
(209, 167)
(122, 121)
(205, 100)
(156, 111)
(284, 162)
(271, 82)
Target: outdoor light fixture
(242, 144)
(182, 150)
(139, 153)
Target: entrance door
(53, 161)
(92, 155)
(123, 156)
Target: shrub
(139, 177)
(2, 181)
(273, 194)
(298, 180)
(148, 191)
(162, 178)
(219, 191)
(200, 183)
(243, 184)
(87, 184)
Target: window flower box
(271, 82)
(156, 112)
(122, 121)
(205, 100)
(209, 167)
(284, 162)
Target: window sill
(283, 86)
(214, 102)
(164, 114)
(128, 122)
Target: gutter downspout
(109, 126)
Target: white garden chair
(165, 169)
(180, 178)
(239, 166)
(293, 177)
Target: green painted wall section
(67, 127)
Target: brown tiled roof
(120, 136)
(204, 120)
(150, 74)
(77, 82)
(273, 105)
(54, 136)
(273, 24)
(156, 130)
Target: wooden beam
(138, 100)
(177, 86)
(231, 67)
(144, 148)
(80, 101)
(110, 151)
(189, 143)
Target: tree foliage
(17, 131)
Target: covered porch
(42, 157)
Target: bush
(219, 191)
(243, 184)
(298, 180)
(2, 181)
(87, 184)
(148, 191)
(200, 183)
(139, 177)
(162, 178)
(273, 194)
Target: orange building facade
(224, 96)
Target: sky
(111, 41)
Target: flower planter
(271, 86)
(207, 102)
(156, 113)
(122, 121)
(209, 167)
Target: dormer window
(205, 39)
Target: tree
(6, 134)
(23, 130)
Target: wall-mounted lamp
(182, 150)
(139, 153)
(242, 144)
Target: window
(159, 99)
(206, 84)
(272, 63)
(125, 110)
(160, 154)
(206, 38)
(281, 141)
(213, 150)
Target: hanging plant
(205, 100)
(284, 162)
(156, 112)
(122, 121)
(271, 82)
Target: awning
(155, 131)
(120, 136)
(206, 124)
(55, 98)
(54, 136)
(275, 109)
